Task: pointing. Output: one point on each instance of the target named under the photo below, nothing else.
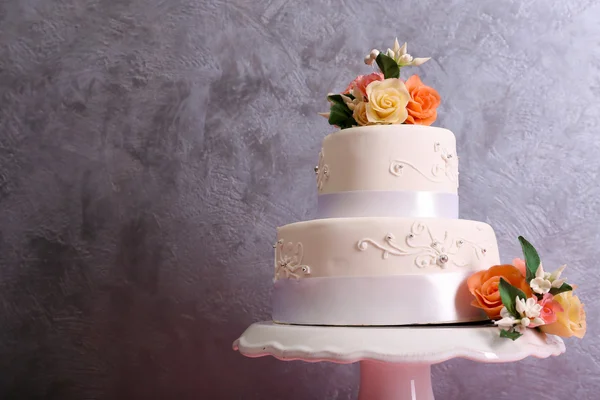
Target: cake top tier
(383, 97)
(385, 141)
(388, 158)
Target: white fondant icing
(426, 249)
(288, 260)
(363, 157)
(376, 183)
(445, 169)
(327, 242)
(322, 171)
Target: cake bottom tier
(379, 270)
(375, 300)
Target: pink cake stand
(395, 362)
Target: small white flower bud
(346, 99)
(405, 59)
(403, 49)
(397, 47)
(368, 60)
(374, 53)
(418, 61)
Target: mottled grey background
(148, 150)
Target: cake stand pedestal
(395, 362)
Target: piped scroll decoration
(442, 171)
(288, 258)
(426, 248)
(322, 171)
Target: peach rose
(521, 265)
(484, 286)
(387, 101)
(422, 107)
(571, 320)
(550, 309)
(362, 81)
(360, 114)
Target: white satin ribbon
(387, 204)
(375, 300)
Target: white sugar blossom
(540, 284)
(528, 308)
(419, 61)
(399, 54)
(369, 58)
(544, 281)
(348, 101)
(507, 321)
(351, 103)
(404, 59)
(531, 323)
(529, 312)
(554, 277)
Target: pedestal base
(394, 381)
(395, 362)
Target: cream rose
(387, 101)
(569, 322)
(360, 113)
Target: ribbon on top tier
(387, 204)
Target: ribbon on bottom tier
(375, 300)
(387, 204)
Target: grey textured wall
(148, 150)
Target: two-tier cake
(387, 246)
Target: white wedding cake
(387, 247)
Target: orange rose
(484, 286)
(423, 103)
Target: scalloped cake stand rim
(397, 345)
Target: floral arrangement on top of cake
(523, 295)
(382, 98)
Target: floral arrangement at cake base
(523, 296)
(383, 98)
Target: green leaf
(564, 288)
(388, 66)
(532, 259)
(340, 115)
(508, 295)
(349, 123)
(512, 334)
(337, 98)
